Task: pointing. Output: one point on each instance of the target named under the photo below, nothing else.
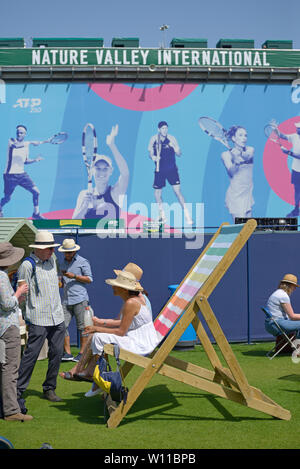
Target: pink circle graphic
(275, 163)
(142, 99)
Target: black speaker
(272, 224)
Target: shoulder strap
(117, 354)
(33, 264)
(33, 273)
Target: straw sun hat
(43, 240)
(69, 245)
(133, 269)
(125, 280)
(10, 255)
(290, 278)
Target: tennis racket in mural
(158, 151)
(89, 151)
(57, 139)
(214, 129)
(273, 134)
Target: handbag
(110, 381)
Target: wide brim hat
(43, 240)
(69, 245)
(133, 269)
(9, 254)
(125, 280)
(291, 278)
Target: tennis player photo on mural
(103, 201)
(163, 149)
(272, 132)
(14, 174)
(238, 162)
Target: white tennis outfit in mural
(16, 157)
(239, 199)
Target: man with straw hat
(44, 314)
(10, 343)
(77, 274)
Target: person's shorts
(76, 310)
(295, 178)
(168, 174)
(11, 181)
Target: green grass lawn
(168, 414)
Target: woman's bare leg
(83, 362)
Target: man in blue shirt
(77, 274)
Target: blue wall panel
(238, 297)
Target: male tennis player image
(15, 175)
(238, 162)
(295, 154)
(106, 200)
(163, 149)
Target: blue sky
(236, 19)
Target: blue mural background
(48, 108)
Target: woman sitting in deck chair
(133, 330)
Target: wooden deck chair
(187, 303)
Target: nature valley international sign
(130, 57)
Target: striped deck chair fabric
(197, 276)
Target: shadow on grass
(255, 353)
(291, 377)
(262, 353)
(165, 414)
(155, 403)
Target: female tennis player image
(238, 162)
(104, 200)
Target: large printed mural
(152, 146)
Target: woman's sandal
(82, 377)
(68, 376)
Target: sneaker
(19, 417)
(77, 358)
(51, 396)
(93, 391)
(67, 357)
(37, 216)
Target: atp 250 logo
(31, 104)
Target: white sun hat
(69, 245)
(43, 240)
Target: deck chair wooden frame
(228, 382)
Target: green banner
(89, 223)
(130, 57)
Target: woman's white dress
(239, 199)
(141, 337)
